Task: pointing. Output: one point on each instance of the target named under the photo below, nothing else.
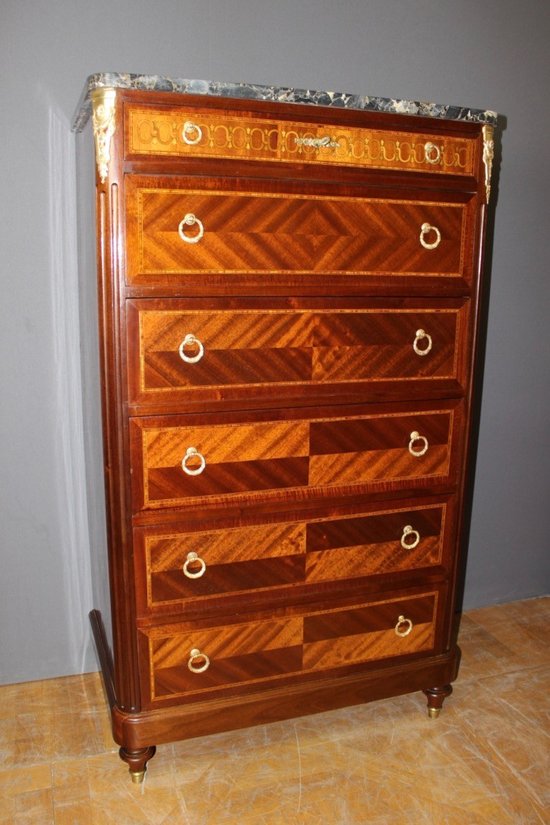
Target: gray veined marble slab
(277, 94)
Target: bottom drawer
(183, 661)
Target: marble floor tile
(486, 759)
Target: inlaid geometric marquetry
(288, 320)
(255, 458)
(271, 556)
(234, 560)
(374, 544)
(265, 650)
(236, 653)
(269, 233)
(247, 347)
(224, 135)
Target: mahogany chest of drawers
(288, 315)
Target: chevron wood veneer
(289, 311)
(271, 233)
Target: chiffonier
(288, 303)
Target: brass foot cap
(433, 713)
(137, 777)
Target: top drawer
(203, 133)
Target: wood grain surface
(258, 651)
(253, 348)
(268, 233)
(261, 457)
(264, 557)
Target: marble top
(277, 94)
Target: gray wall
(490, 54)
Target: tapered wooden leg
(436, 697)
(137, 761)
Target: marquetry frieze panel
(172, 231)
(183, 661)
(219, 134)
(177, 352)
(175, 464)
(176, 566)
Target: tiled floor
(485, 760)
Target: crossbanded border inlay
(266, 456)
(329, 548)
(317, 346)
(156, 132)
(237, 652)
(269, 233)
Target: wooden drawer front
(239, 350)
(206, 134)
(255, 458)
(274, 233)
(178, 566)
(382, 542)
(266, 650)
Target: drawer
(176, 462)
(180, 354)
(183, 661)
(196, 133)
(173, 232)
(178, 566)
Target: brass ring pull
(190, 342)
(403, 626)
(414, 439)
(425, 229)
(198, 662)
(408, 534)
(432, 153)
(190, 129)
(193, 559)
(192, 453)
(421, 335)
(190, 220)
